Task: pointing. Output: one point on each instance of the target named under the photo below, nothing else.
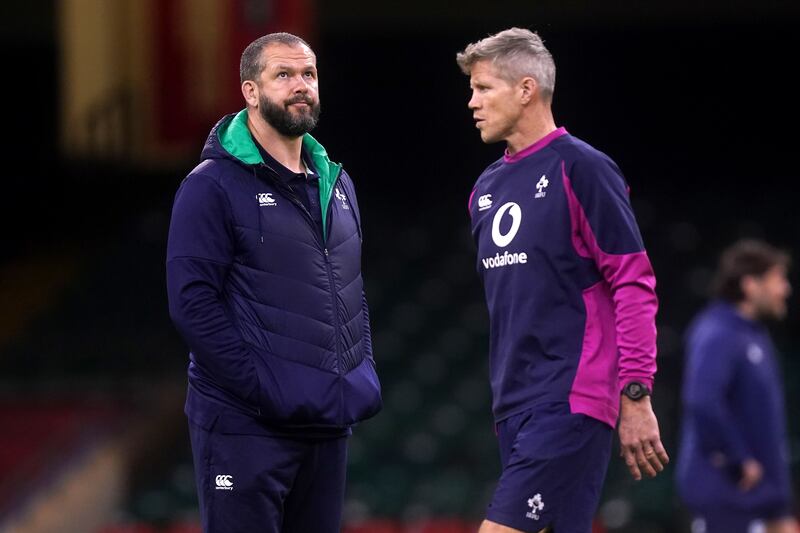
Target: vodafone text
(505, 259)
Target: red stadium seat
(184, 527)
(442, 525)
(128, 528)
(374, 526)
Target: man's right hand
(786, 525)
(639, 438)
(752, 472)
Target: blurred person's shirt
(733, 410)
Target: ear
(528, 87)
(250, 93)
(748, 285)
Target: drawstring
(258, 209)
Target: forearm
(200, 317)
(632, 284)
(716, 430)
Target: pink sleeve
(629, 275)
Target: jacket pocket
(362, 393)
(295, 394)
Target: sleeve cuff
(646, 381)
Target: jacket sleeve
(604, 229)
(712, 365)
(200, 252)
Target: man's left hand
(640, 441)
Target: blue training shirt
(733, 410)
(568, 284)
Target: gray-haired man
(571, 298)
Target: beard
(771, 311)
(286, 122)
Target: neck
(285, 150)
(747, 310)
(535, 123)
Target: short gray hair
(516, 53)
(250, 66)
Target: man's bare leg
(493, 527)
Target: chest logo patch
(504, 239)
(541, 186)
(342, 198)
(266, 199)
(484, 202)
(755, 354)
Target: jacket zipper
(338, 326)
(289, 193)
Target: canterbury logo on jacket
(272, 308)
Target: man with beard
(264, 284)
(733, 468)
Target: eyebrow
(284, 66)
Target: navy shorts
(727, 523)
(554, 465)
(268, 484)
(731, 521)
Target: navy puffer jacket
(273, 312)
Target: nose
(301, 86)
(473, 101)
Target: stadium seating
(431, 453)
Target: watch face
(635, 390)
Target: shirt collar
(535, 147)
(284, 173)
(730, 309)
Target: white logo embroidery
(699, 525)
(224, 482)
(755, 354)
(536, 504)
(516, 217)
(541, 186)
(505, 259)
(342, 198)
(484, 202)
(266, 199)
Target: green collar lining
(235, 138)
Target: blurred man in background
(571, 298)
(264, 283)
(733, 470)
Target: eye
(310, 74)
(283, 74)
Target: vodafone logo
(504, 239)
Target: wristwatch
(636, 390)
